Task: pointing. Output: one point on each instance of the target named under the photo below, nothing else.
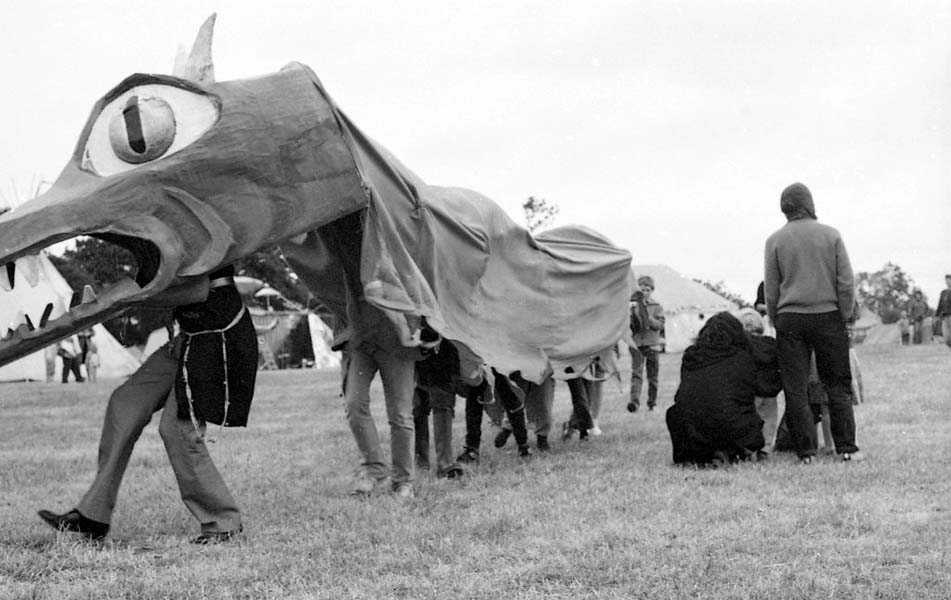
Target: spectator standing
(917, 311)
(904, 326)
(92, 361)
(810, 296)
(648, 342)
(69, 352)
(943, 311)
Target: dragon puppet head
(189, 175)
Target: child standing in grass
(648, 342)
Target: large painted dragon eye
(143, 131)
(144, 124)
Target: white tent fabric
(115, 361)
(157, 339)
(321, 338)
(687, 304)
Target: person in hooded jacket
(810, 297)
(714, 418)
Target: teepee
(687, 304)
(35, 287)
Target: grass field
(608, 519)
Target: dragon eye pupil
(133, 125)
(142, 130)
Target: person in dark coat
(714, 416)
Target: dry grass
(609, 519)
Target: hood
(796, 202)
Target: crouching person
(204, 375)
(714, 416)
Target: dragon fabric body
(190, 174)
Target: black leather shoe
(216, 537)
(502, 437)
(468, 456)
(75, 523)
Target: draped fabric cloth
(720, 377)
(541, 305)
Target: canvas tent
(272, 329)
(51, 287)
(687, 304)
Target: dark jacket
(714, 407)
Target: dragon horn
(198, 67)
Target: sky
(671, 127)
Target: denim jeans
(798, 335)
(398, 373)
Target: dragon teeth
(46, 315)
(6, 278)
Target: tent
(273, 328)
(882, 335)
(866, 322)
(687, 304)
(27, 299)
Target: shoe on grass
(74, 522)
(632, 407)
(595, 431)
(403, 490)
(806, 460)
(524, 451)
(422, 462)
(851, 456)
(451, 472)
(208, 538)
(364, 485)
(542, 443)
(501, 437)
(468, 456)
(567, 431)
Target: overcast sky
(671, 127)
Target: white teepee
(51, 288)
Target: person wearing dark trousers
(437, 381)
(477, 397)
(69, 352)
(810, 296)
(943, 312)
(580, 420)
(917, 311)
(511, 392)
(648, 343)
(204, 375)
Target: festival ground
(610, 518)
